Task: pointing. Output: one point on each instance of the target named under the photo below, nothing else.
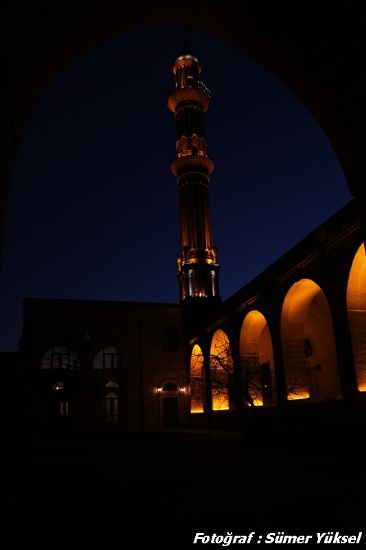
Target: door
(170, 412)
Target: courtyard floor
(156, 490)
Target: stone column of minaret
(197, 264)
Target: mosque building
(289, 348)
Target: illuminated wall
(221, 367)
(308, 344)
(256, 359)
(356, 305)
(197, 380)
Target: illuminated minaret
(197, 263)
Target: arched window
(197, 380)
(308, 345)
(111, 384)
(107, 358)
(356, 306)
(256, 360)
(60, 358)
(221, 370)
(111, 402)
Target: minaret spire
(197, 264)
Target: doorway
(170, 406)
(170, 412)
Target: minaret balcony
(192, 163)
(200, 95)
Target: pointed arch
(356, 309)
(308, 345)
(221, 370)
(256, 359)
(197, 380)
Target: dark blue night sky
(93, 209)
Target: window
(171, 339)
(64, 408)
(111, 402)
(60, 358)
(107, 358)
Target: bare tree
(251, 385)
(258, 381)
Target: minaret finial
(186, 48)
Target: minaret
(197, 263)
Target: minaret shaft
(195, 220)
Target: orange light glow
(362, 387)
(196, 409)
(258, 402)
(297, 301)
(294, 396)
(256, 351)
(356, 288)
(253, 325)
(220, 402)
(220, 346)
(196, 361)
(197, 380)
(221, 367)
(308, 344)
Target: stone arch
(256, 358)
(356, 309)
(197, 380)
(308, 345)
(221, 371)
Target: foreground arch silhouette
(277, 38)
